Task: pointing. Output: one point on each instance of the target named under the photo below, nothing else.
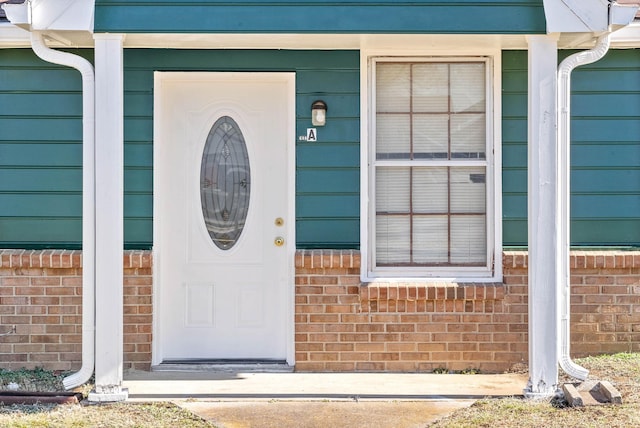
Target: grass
(84, 415)
(38, 379)
(120, 415)
(622, 370)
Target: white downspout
(564, 170)
(88, 206)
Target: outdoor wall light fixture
(319, 113)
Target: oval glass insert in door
(225, 183)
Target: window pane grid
(460, 104)
(430, 225)
(430, 215)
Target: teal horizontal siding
(607, 232)
(605, 105)
(327, 185)
(346, 80)
(605, 180)
(512, 187)
(40, 152)
(139, 204)
(605, 79)
(137, 154)
(36, 204)
(605, 205)
(605, 145)
(610, 232)
(605, 150)
(138, 179)
(344, 156)
(24, 128)
(61, 232)
(315, 16)
(514, 148)
(39, 179)
(136, 105)
(137, 231)
(316, 181)
(605, 155)
(336, 232)
(233, 60)
(49, 105)
(513, 127)
(41, 232)
(36, 77)
(601, 129)
(138, 130)
(331, 206)
(514, 207)
(29, 154)
(41, 157)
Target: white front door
(223, 216)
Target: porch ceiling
(11, 36)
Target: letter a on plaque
(312, 134)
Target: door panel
(222, 294)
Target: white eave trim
(627, 37)
(440, 42)
(322, 41)
(14, 37)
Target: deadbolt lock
(279, 221)
(279, 241)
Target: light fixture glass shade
(319, 113)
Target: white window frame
(492, 271)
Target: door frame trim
(289, 79)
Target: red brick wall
(341, 325)
(605, 299)
(41, 295)
(605, 303)
(138, 309)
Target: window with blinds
(429, 168)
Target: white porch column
(109, 218)
(543, 230)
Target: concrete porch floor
(237, 399)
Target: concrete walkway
(259, 400)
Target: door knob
(279, 241)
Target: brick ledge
(65, 259)
(591, 259)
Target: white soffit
(14, 37)
(323, 41)
(11, 36)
